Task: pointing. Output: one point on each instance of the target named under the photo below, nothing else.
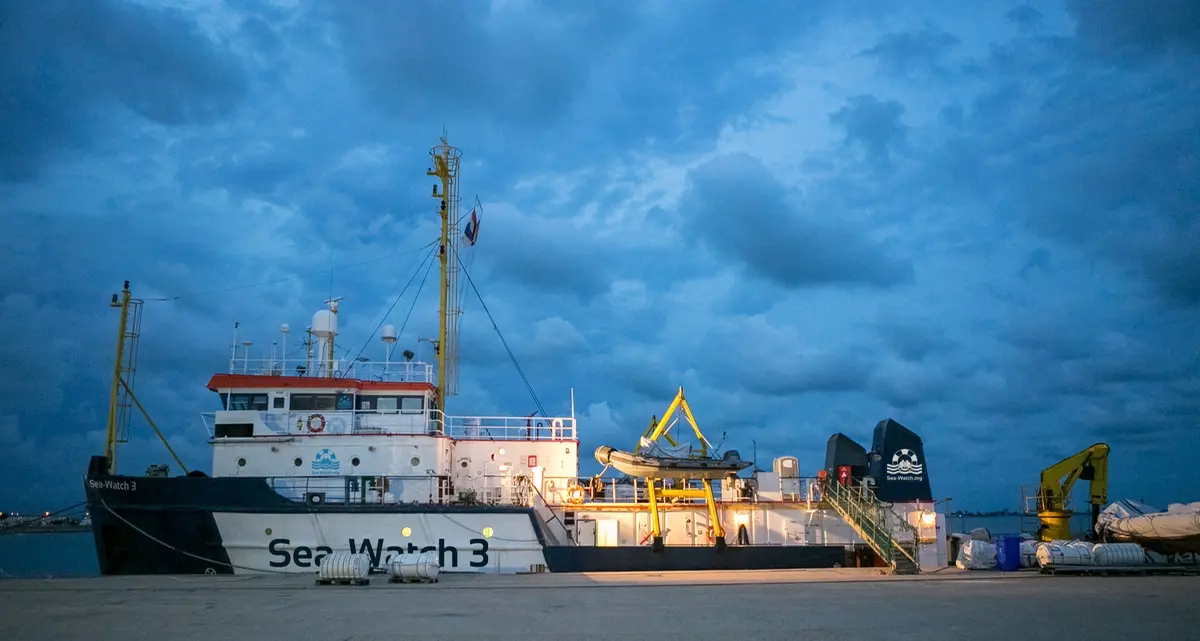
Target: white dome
(324, 323)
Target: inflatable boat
(1175, 531)
(671, 467)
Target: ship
(317, 454)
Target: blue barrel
(1008, 553)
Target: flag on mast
(471, 233)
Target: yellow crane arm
(1091, 465)
(660, 430)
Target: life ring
(575, 495)
(318, 428)
(712, 535)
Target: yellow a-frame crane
(660, 429)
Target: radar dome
(324, 323)
(389, 334)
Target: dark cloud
(913, 53)
(566, 78)
(914, 338)
(1088, 155)
(873, 123)
(65, 64)
(1124, 28)
(736, 207)
(1025, 17)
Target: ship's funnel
(898, 464)
(843, 450)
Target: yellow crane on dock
(1054, 491)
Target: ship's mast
(116, 397)
(122, 399)
(446, 162)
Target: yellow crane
(661, 429)
(1054, 490)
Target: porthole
(463, 465)
(354, 461)
(297, 461)
(406, 531)
(241, 461)
(487, 533)
(414, 461)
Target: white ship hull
(258, 543)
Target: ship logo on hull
(326, 462)
(905, 466)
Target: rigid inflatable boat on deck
(671, 467)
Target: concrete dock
(791, 604)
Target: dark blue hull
(644, 559)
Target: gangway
(876, 523)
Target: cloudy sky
(976, 218)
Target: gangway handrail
(870, 517)
(537, 491)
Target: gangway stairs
(553, 529)
(877, 524)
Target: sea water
(50, 554)
(73, 554)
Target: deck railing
(559, 490)
(484, 489)
(386, 371)
(393, 422)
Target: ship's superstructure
(373, 433)
(314, 453)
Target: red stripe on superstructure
(252, 381)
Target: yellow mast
(122, 397)
(110, 439)
(446, 161)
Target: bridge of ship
(275, 397)
(386, 422)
